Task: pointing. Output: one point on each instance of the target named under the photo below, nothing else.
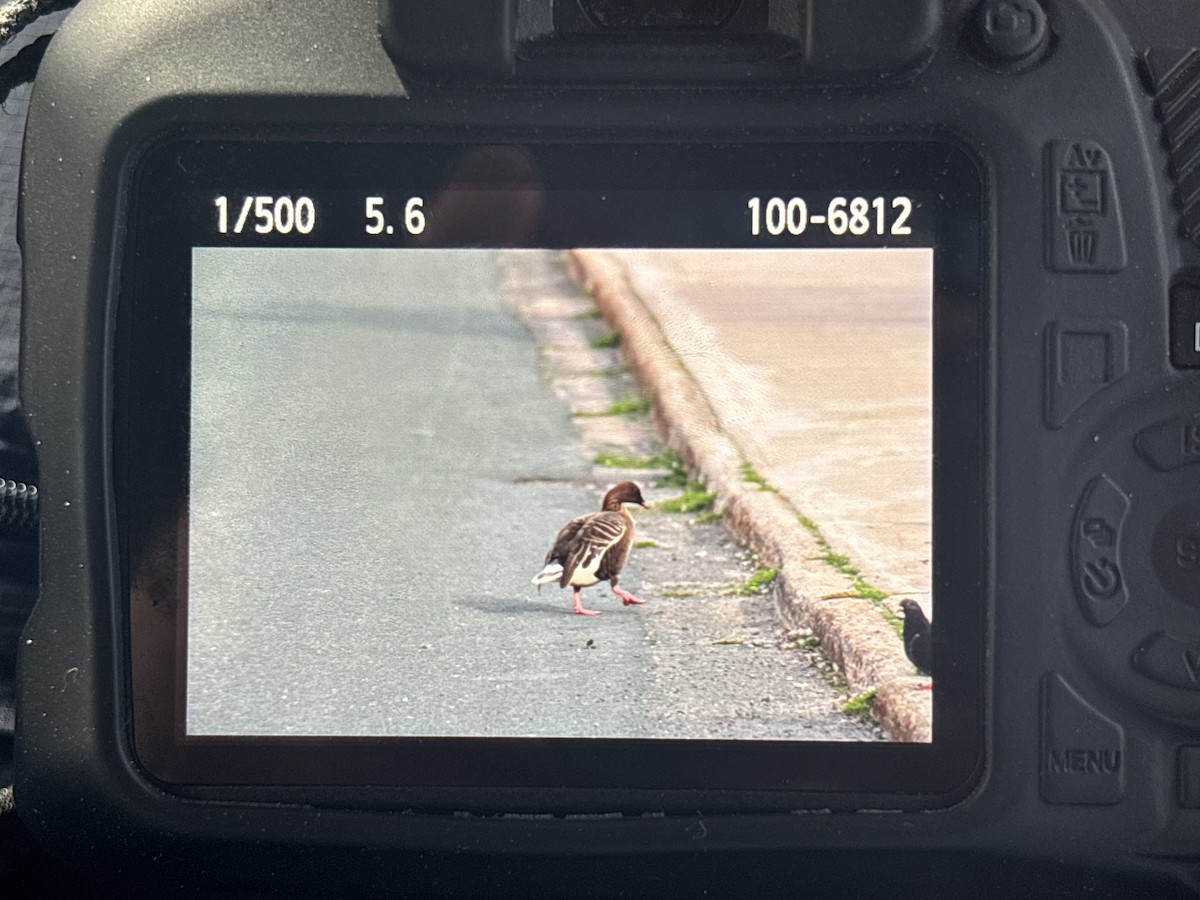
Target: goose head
(625, 492)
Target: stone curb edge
(853, 635)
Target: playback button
(1095, 548)
(1185, 326)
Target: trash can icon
(1081, 245)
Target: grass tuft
(693, 499)
(610, 372)
(749, 474)
(859, 706)
(644, 544)
(621, 461)
(676, 471)
(859, 587)
(632, 405)
(708, 518)
(757, 583)
(606, 341)
(677, 474)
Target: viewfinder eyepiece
(662, 14)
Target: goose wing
(582, 542)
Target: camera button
(1083, 752)
(1082, 359)
(1084, 232)
(1095, 550)
(1189, 777)
(1171, 444)
(1010, 31)
(1185, 326)
(1175, 551)
(1169, 661)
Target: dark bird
(918, 637)
(594, 547)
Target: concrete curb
(853, 635)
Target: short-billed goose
(594, 547)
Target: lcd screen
(597, 466)
(380, 463)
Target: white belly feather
(584, 576)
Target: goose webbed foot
(627, 598)
(579, 610)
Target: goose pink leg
(579, 610)
(627, 598)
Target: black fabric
(20, 53)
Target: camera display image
(471, 493)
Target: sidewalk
(804, 404)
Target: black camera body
(1053, 154)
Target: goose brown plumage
(593, 548)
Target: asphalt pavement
(378, 469)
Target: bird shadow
(499, 606)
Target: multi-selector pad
(1133, 547)
(1135, 559)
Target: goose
(918, 637)
(593, 548)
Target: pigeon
(593, 548)
(918, 637)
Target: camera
(797, 325)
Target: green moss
(645, 544)
(750, 475)
(859, 706)
(870, 593)
(668, 459)
(606, 341)
(629, 406)
(677, 475)
(708, 518)
(758, 582)
(620, 461)
(693, 499)
(625, 406)
(839, 562)
(812, 642)
(858, 586)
